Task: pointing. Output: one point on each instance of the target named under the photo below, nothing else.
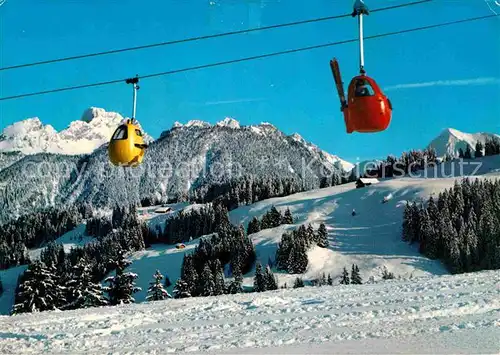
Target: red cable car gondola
(366, 109)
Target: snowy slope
(447, 314)
(81, 137)
(9, 279)
(69, 240)
(372, 239)
(451, 140)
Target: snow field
(371, 239)
(386, 314)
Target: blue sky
(453, 71)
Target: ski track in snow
(388, 314)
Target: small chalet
(163, 210)
(363, 182)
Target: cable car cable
(233, 61)
(199, 38)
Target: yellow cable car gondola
(126, 147)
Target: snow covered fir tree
(156, 292)
(39, 290)
(121, 287)
(82, 291)
(461, 227)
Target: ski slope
(371, 239)
(436, 314)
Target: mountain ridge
(185, 158)
(95, 127)
(451, 140)
(83, 136)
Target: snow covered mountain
(451, 140)
(82, 136)
(186, 157)
(333, 159)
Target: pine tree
(52, 254)
(447, 233)
(479, 150)
(189, 274)
(271, 282)
(181, 289)
(274, 217)
(386, 275)
(355, 276)
(218, 274)
(461, 153)
(487, 232)
(345, 277)
(426, 232)
(156, 292)
(302, 236)
(287, 217)
(82, 291)
(298, 283)
(408, 223)
(253, 226)
(329, 280)
(259, 281)
(207, 284)
(322, 236)
(297, 261)
(471, 256)
(432, 210)
(311, 235)
(235, 285)
(468, 153)
(121, 286)
(453, 258)
(322, 280)
(283, 251)
(323, 182)
(39, 290)
(336, 179)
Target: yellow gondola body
(126, 147)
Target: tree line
(35, 229)
(408, 162)
(271, 219)
(461, 228)
(54, 281)
(490, 147)
(246, 190)
(202, 272)
(191, 224)
(42, 288)
(291, 254)
(337, 178)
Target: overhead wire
(245, 59)
(199, 38)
